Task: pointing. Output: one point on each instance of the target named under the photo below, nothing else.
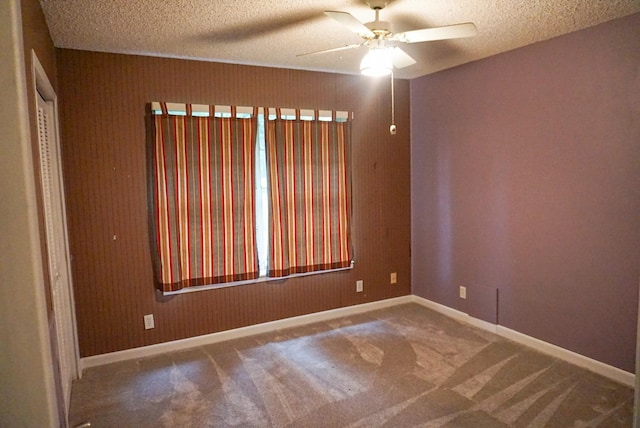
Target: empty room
(320, 213)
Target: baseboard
(580, 360)
(454, 313)
(176, 345)
(595, 366)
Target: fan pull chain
(392, 127)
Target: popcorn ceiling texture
(271, 33)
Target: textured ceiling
(271, 33)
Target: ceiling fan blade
(438, 33)
(357, 45)
(400, 58)
(347, 20)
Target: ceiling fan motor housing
(382, 29)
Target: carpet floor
(403, 366)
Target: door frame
(43, 87)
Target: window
(239, 194)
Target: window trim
(253, 281)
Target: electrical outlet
(148, 322)
(359, 286)
(463, 292)
(394, 278)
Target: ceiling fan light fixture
(377, 62)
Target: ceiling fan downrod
(377, 6)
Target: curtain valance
(182, 109)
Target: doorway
(63, 330)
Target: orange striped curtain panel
(310, 195)
(203, 199)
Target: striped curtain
(203, 197)
(310, 195)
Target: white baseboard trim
(595, 366)
(176, 345)
(580, 360)
(455, 314)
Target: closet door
(57, 248)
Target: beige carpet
(399, 367)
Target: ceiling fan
(383, 53)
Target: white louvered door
(57, 249)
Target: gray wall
(525, 174)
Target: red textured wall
(103, 99)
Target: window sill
(260, 280)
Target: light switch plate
(149, 322)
